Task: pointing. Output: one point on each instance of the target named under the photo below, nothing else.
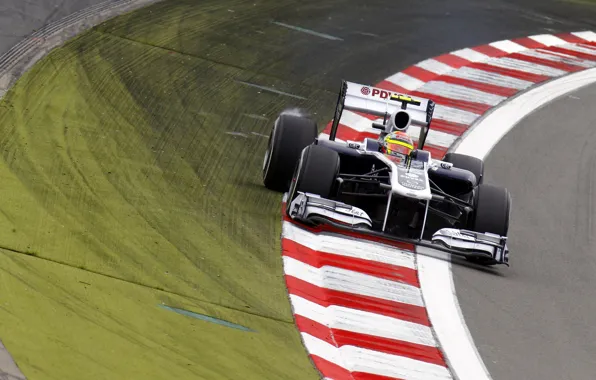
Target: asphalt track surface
(534, 319)
(19, 18)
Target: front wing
(312, 209)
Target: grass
(117, 173)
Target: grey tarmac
(535, 319)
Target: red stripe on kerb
(346, 133)
(328, 297)
(574, 53)
(588, 44)
(528, 43)
(331, 370)
(490, 51)
(546, 62)
(482, 86)
(390, 86)
(448, 127)
(435, 151)
(530, 77)
(370, 376)
(452, 60)
(571, 38)
(420, 73)
(320, 259)
(336, 372)
(340, 338)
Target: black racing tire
(316, 172)
(465, 162)
(289, 136)
(492, 211)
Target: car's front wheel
(316, 172)
(289, 135)
(491, 214)
(469, 163)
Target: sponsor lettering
(380, 93)
(357, 213)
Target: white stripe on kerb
(508, 46)
(356, 248)
(587, 35)
(325, 136)
(322, 349)
(435, 66)
(471, 55)
(454, 115)
(405, 81)
(374, 362)
(362, 322)
(548, 39)
(456, 91)
(353, 282)
(529, 67)
(558, 58)
(491, 78)
(355, 121)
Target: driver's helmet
(397, 144)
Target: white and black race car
(352, 185)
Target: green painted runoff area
(121, 191)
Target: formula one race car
(355, 185)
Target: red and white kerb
(358, 302)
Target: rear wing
(379, 102)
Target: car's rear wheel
(492, 210)
(316, 172)
(465, 162)
(289, 135)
